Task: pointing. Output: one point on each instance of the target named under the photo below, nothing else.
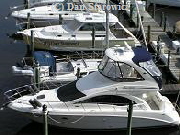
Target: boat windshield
(118, 71)
(72, 25)
(69, 92)
(150, 67)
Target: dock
(157, 37)
(170, 89)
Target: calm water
(11, 123)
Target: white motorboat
(100, 100)
(52, 69)
(51, 14)
(76, 33)
(35, 3)
(174, 3)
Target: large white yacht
(100, 100)
(36, 3)
(51, 14)
(76, 32)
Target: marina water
(11, 51)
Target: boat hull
(65, 44)
(104, 122)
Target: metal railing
(31, 89)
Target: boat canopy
(141, 55)
(45, 59)
(143, 58)
(121, 64)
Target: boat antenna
(107, 24)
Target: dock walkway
(153, 32)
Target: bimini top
(141, 55)
(45, 59)
(127, 55)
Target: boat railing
(30, 89)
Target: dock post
(93, 37)
(28, 20)
(137, 21)
(60, 19)
(107, 24)
(146, 5)
(124, 2)
(167, 67)
(78, 73)
(26, 4)
(165, 23)
(32, 43)
(158, 48)
(45, 112)
(174, 29)
(37, 75)
(129, 123)
(168, 62)
(162, 19)
(154, 11)
(131, 11)
(149, 34)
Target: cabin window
(118, 71)
(71, 25)
(108, 99)
(90, 26)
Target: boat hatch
(69, 92)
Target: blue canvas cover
(45, 59)
(141, 55)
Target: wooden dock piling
(129, 123)
(154, 11)
(28, 20)
(45, 118)
(162, 19)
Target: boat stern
(171, 112)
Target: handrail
(27, 89)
